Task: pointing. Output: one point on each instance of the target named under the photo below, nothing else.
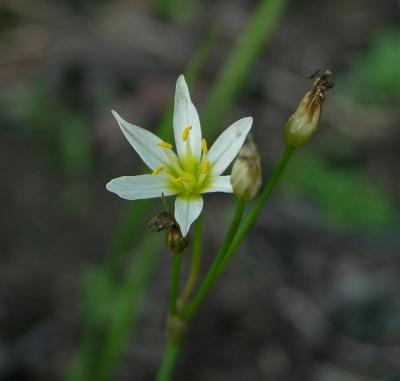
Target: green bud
(175, 241)
(302, 125)
(246, 172)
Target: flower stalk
(176, 273)
(195, 268)
(256, 210)
(212, 274)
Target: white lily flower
(194, 170)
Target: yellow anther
(186, 132)
(206, 167)
(204, 146)
(157, 171)
(165, 145)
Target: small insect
(166, 221)
(314, 74)
(322, 83)
(162, 221)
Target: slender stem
(252, 216)
(176, 271)
(194, 268)
(212, 274)
(169, 360)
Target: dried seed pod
(303, 123)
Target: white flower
(194, 170)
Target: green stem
(212, 275)
(169, 360)
(176, 273)
(194, 268)
(252, 216)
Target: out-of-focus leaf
(375, 77)
(74, 144)
(238, 65)
(348, 197)
(61, 133)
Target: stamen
(180, 180)
(157, 171)
(165, 145)
(204, 146)
(177, 180)
(186, 132)
(206, 167)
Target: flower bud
(175, 241)
(246, 172)
(302, 124)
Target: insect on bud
(302, 124)
(175, 241)
(246, 172)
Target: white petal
(187, 209)
(220, 184)
(185, 115)
(144, 142)
(228, 145)
(140, 187)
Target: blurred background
(313, 293)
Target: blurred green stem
(125, 306)
(169, 9)
(195, 267)
(175, 278)
(212, 274)
(241, 60)
(169, 360)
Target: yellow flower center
(187, 175)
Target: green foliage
(375, 77)
(126, 304)
(74, 142)
(61, 132)
(348, 197)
